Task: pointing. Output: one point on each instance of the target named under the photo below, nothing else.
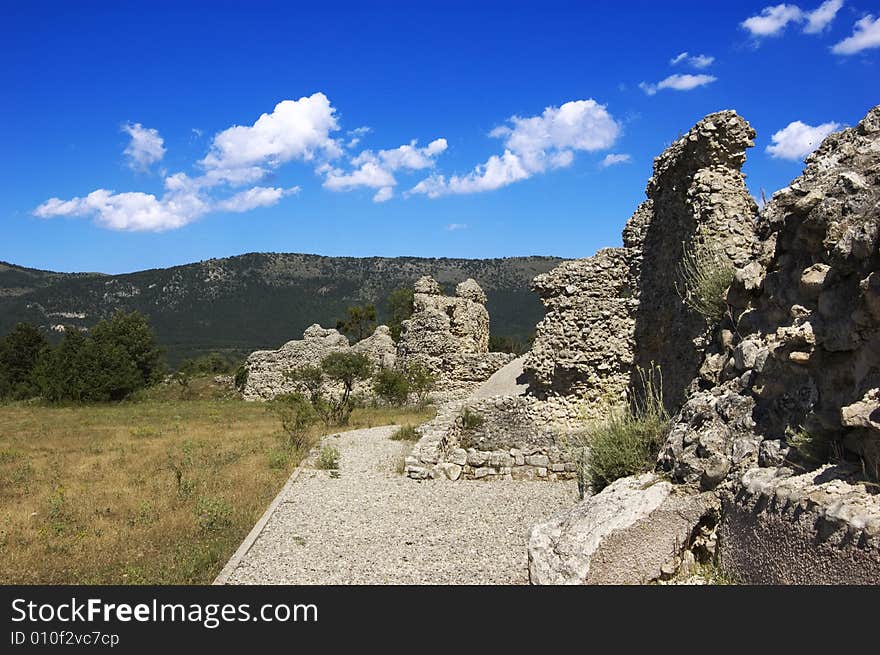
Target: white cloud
(356, 135)
(145, 148)
(258, 196)
(132, 211)
(453, 227)
(533, 145)
(697, 61)
(820, 18)
(383, 194)
(295, 130)
(677, 82)
(615, 158)
(797, 140)
(866, 34)
(376, 170)
(772, 21)
(369, 174)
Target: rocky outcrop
(633, 532)
(821, 527)
(449, 335)
(267, 369)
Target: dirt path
(372, 525)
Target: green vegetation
(628, 441)
(814, 448)
(346, 368)
(406, 433)
(399, 307)
(392, 386)
(19, 351)
(118, 357)
(328, 459)
(359, 323)
(297, 416)
(470, 420)
(705, 277)
(421, 382)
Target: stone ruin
(449, 336)
(267, 368)
(794, 367)
(607, 314)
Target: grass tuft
(705, 276)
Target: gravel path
(371, 525)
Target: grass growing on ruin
(158, 491)
(406, 433)
(705, 276)
(627, 441)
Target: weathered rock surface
(449, 335)
(267, 368)
(629, 533)
(807, 356)
(814, 528)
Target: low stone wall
(814, 528)
(507, 444)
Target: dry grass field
(160, 490)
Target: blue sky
(526, 128)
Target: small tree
(19, 351)
(297, 416)
(392, 386)
(421, 382)
(400, 308)
(347, 368)
(360, 323)
(310, 377)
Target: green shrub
(328, 459)
(132, 333)
(705, 276)
(421, 382)
(19, 351)
(406, 433)
(392, 386)
(471, 420)
(813, 447)
(297, 416)
(310, 377)
(359, 322)
(628, 440)
(241, 378)
(400, 308)
(213, 514)
(347, 368)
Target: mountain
(259, 300)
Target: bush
(406, 433)
(471, 420)
(213, 514)
(705, 276)
(359, 323)
(297, 416)
(392, 386)
(241, 378)
(19, 351)
(328, 459)
(421, 382)
(345, 368)
(310, 377)
(132, 333)
(628, 441)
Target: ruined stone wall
(449, 335)
(267, 368)
(697, 195)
